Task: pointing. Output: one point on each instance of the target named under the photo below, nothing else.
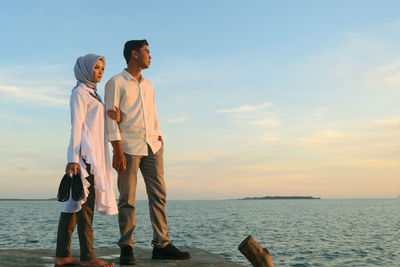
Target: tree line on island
(278, 197)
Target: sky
(254, 98)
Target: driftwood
(258, 256)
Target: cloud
(246, 108)
(376, 163)
(362, 60)
(32, 95)
(6, 143)
(321, 112)
(178, 119)
(326, 138)
(255, 115)
(40, 86)
(271, 122)
(206, 156)
(375, 147)
(388, 123)
(270, 137)
(295, 176)
(386, 75)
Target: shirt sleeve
(157, 128)
(78, 113)
(111, 98)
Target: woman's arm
(78, 108)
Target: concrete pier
(45, 258)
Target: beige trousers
(152, 169)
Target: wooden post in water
(258, 256)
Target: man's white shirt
(139, 124)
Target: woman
(87, 155)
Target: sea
(297, 232)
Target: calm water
(297, 232)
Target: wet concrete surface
(45, 258)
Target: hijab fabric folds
(84, 67)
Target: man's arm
(111, 98)
(157, 129)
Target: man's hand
(119, 161)
(160, 139)
(72, 168)
(114, 114)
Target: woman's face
(98, 71)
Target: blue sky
(254, 97)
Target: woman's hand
(114, 114)
(72, 168)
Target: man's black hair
(133, 45)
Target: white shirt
(88, 142)
(139, 124)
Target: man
(137, 143)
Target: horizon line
(255, 198)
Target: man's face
(144, 57)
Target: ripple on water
(297, 233)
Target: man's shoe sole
(127, 262)
(170, 258)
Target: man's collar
(128, 76)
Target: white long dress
(88, 142)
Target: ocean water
(297, 232)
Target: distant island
(278, 197)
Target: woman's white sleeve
(78, 113)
